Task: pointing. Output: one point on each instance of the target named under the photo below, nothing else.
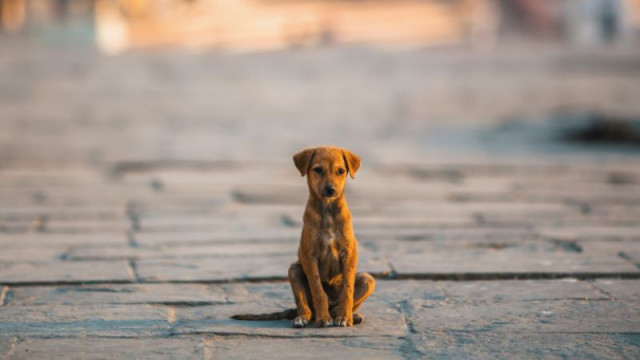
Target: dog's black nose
(329, 190)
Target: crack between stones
(381, 276)
(409, 350)
(4, 295)
(623, 255)
(602, 291)
(133, 271)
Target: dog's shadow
(262, 324)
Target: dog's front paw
(343, 321)
(300, 322)
(324, 322)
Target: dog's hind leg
(364, 287)
(301, 294)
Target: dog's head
(326, 168)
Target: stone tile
(87, 226)
(29, 213)
(25, 254)
(217, 222)
(380, 320)
(566, 316)
(212, 250)
(36, 240)
(511, 258)
(85, 320)
(521, 290)
(215, 269)
(591, 232)
(202, 237)
(372, 262)
(395, 292)
(384, 222)
(65, 272)
(219, 347)
(105, 348)
(509, 345)
(620, 289)
(474, 233)
(167, 294)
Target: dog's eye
(340, 171)
(317, 170)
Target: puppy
(325, 285)
(324, 282)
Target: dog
(326, 288)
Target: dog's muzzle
(329, 190)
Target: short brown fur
(325, 285)
(324, 282)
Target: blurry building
(264, 24)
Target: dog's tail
(288, 314)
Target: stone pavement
(153, 263)
(123, 235)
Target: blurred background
(95, 81)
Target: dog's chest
(330, 263)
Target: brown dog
(325, 285)
(324, 282)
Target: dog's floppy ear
(353, 162)
(303, 160)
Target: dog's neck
(328, 211)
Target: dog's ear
(303, 160)
(353, 162)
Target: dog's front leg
(320, 301)
(344, 311)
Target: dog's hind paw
(300, 322)
(357, 318)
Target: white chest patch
(329, 237)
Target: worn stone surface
(508, 345)
(215, 269)
(619, 289)
(84, 320)
(219, 347)
(100, 348)
(520, 257)
(168, 179)
(196, 237)
(41, 240)
(521, 290)
(379, 321)
(62, 272)
(567, 316)
(166, 294)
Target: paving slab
(507, 345)
(31, 255)
(566, 316)
(65, 272)
(84, 320)
(619, 289)
(523, 257)
(380, 321)
(37, 240)
(161, 294)
(222, 347)
(212, 236)
(215, 269)
(212, 250)
(90, 348)
(521, 290)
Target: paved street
(146, 198)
